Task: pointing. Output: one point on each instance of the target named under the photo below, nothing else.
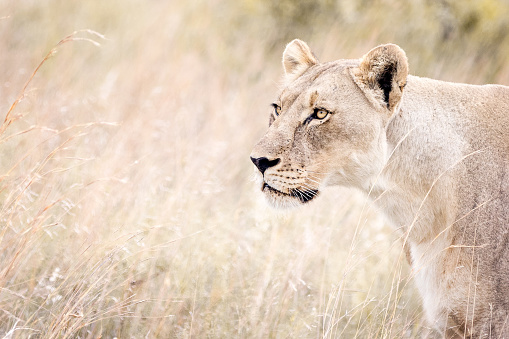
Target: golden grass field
(127, 202)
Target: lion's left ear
(297, 58)
(382, 75)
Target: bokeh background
(127, 202)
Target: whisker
(314, 177)
(308, 187)
(304, 194)
(300, 193)
(308, 171)
(313, 184)
(310, 192)
(296, 193)
(313, 180)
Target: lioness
(433, 155)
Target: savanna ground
(127, 205)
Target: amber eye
(321, 113)
(277, 109)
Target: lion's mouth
(302, 195)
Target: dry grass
(127, 203)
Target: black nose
(264, 163)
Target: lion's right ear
(382, 75)
(297, 58)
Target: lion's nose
(264, 163)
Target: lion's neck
(422, 155)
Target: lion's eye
(277, 109)
(320, 113)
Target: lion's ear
(297, 58)
(382, 75)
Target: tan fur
(434, 156)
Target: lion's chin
(295, 198)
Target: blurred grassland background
(127, 205)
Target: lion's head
(328, 125)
